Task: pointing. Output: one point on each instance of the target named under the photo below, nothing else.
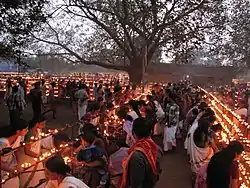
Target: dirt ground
(176, 170)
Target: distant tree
(17, 19)
(127, 33)
(234, 49)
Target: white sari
(127, 127)
(199, 156)
(33, 178)
(187, 143)
(169, 140)
(191, 130)
(11, 161)
(72, 182)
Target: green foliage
(233, 45)
(17, 19)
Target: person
(193, 112)
(36, 100)
(242, 110)
(95, 91)
(117, 153)
(200, 149)
(57, 170)
(82, 97)
(32, 151)
(99, 139)
(131, 116)
(127, 127)
(172, 115)
(100, 92)
(11, 137)
(94, 159)
(107, 92)
(134, 110)
(201, 177)
(212, 131)
(43, 89)
(151, 111)
(51, 100)
(54, 141)
(209, 115)
(223, 169)
(86, 119)
(15, 105)
(21, 91)
(141, 167)
(117, 87)
(8, 89)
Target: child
(94, 159)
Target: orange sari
(148, 147)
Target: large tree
(17, 19)
(127, 33)
(233, 47)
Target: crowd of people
(43, 101)
(236, 97)
(172, 112)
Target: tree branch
(91, 16)
(82, 60)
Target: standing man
(36, 100)
(141, 168)
(15, 105)
(172, 114)
(82, 100)
(95, 91)
(43, 89)
(51, 100)
(21, 92)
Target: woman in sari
(209, 115)
(56, 169)
(9, 161)
(32, 151)
(200, 149)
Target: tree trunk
(135, 72)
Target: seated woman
(56, 169)
(32, 151)
(223, 169)
(9, 162)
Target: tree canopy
(234, 48)
(125, 34)
(17, 19)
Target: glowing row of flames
(231, 131)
